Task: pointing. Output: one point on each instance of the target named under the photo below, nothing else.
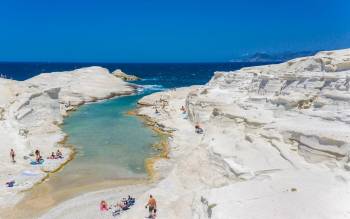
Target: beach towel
(34, 162)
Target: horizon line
(97, 62)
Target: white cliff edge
(275, 145)
(30, 114)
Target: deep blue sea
(166, 75)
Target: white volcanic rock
(120, 74)
(275, 145)
(30, 112)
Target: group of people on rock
(58, 155)
(38, 160)
(117, 209)
(183, 110)
(38, 157)
(126, 203)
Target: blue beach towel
(34, 162)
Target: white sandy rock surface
(30, 114)
(275, 144)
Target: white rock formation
(120, 74)
(30, 112)
(275, 144)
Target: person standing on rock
(152, 206)
(13, 155)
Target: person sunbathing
(53, 156)
(122, 205)
(198, 129)
(39, 159)
(131, 201)
(59, 154)
(183, 109)
(37, 154)
(103, 206)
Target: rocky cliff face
(273, 135)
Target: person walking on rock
(152, 206)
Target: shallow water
(110, 144)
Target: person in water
(13, 155)
(152, 206)
(103, 206)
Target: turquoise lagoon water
(110, 144)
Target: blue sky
(167, 31)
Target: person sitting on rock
(198, 129)
(53, 156)
(157, 112)
(131, 200)
(183, 109)
(59, 154)
(39, 159)
(37, 154)
(123, 205)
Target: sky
(167, 31)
